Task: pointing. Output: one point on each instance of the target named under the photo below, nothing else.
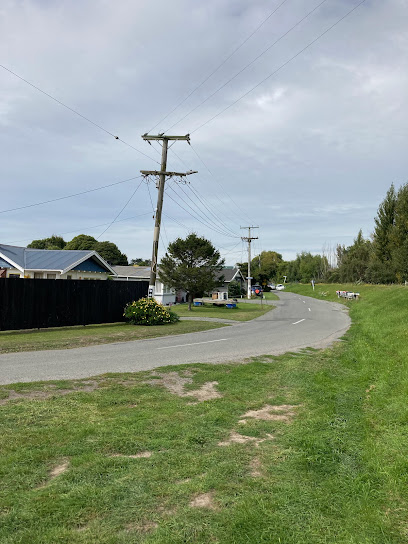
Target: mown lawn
(89, 335)
(139, 461)
(244, 311)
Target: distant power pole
(249, 239)
(162, 174)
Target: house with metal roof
(23, 262)
(162, 293)
(166, 295)
(227, 274)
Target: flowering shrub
(147, 311)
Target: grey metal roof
(14, 253)
(228, 273)
(45, 259)
(142, 272)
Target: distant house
(162, 293)
(230, 273)
(52, 264)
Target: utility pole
(249, 239)
(162, 174)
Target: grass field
(305, 448)
(243, 312)
(77, 337)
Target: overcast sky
(307, 155)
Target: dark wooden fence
(31, 304)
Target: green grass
(244, 311)
(335, 472)
(76, 337)
(271, 296)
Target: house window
(38, 275)
(69, 277)
(14, 275)
(51, 276)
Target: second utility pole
(249, 239)
(162, 180)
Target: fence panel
(32, 304)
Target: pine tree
(399, 237)
(191, 265)
(384, 225)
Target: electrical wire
(84, 228)
(201, 217)
(248, 65)
(219, 66)
(194, 217)
(219, 183)
(280, 67)
(200, 180)
(76, 112)
(133, 194)
(201, 199)
(204, 215)
(69, 196)
(178, 222)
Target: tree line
(381, 258)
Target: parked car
(272, 286)
(257, 290)
(280, 287)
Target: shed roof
(141, 272)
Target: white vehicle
(280, 287)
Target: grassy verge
(143, 458)
(244, 311)
(76, 337)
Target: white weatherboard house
(162, 293)
(52, 264)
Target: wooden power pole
(162, 174)
(249, 239)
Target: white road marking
(300, 321)
(303, 302)
(194, 344)
(309, 309)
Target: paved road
(297, 322)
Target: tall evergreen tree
(399, 237)
(384, 225)
(191, 264)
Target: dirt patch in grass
(141, 455)
(268, 413)
(55, 472)
(51, 391)
(204, 500)
(175, 383)
(236, 438)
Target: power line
(219, 183)
(219, 66)
(76, 112)
(248, 65)
(194, 217)
(280, 67)
(133, 194)
(200, 180)
(85, 228)
(208, 221)
(178, 222)
(69, 196)
(205, 216)
(201, 199)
